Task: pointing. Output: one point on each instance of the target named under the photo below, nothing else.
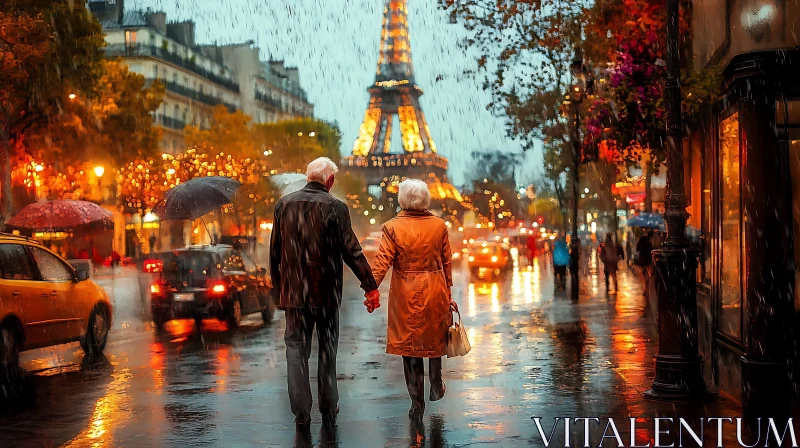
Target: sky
(335, 44)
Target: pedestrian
(311, 237)
(415, 244)
(609, 255)
(152, 240)
(644, 259)
(560, 261)
(531, 249)
(629, 248)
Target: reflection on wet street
(535, 353)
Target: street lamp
(679, 374)
(575, 98)
(99, 170)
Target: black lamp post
(575, 98)
(679, 373)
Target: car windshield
(192, 267)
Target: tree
(54, 48)
(494, 186)
(114, 126)
(525, 49)
(292, 144)
(229, 132)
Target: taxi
(490, 256)
(45, 301)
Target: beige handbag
(457, 341)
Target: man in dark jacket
(311, 238)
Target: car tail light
(217, 288)
(153, 266)
(157, 290)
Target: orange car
(45, 301)
(491, 256)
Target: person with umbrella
(644, 259)
(311, 238)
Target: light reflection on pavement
(534, 353)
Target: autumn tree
(113, 125)
(292, 144)
(525, 48)
(49, 48)
(229, 132)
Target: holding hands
(373, 300)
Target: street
(218, 388)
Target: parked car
(45, 301)
(488, 255)
(210, 281)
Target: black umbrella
(197, 197)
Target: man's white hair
(320, 170)
(414, 195)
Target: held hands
(373, 300)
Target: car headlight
(456, 254)
(471, 258)
(494, 259)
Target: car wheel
(268, 314)
(94, 341)
(9, 357)
(234, 314)
(159, 319)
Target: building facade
(198, 77)
(743, 175)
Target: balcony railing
(195, 95)
(160, 53)
(276, 104)
(172, 123)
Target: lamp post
(99, 170)
(575, 99)
(679, 374)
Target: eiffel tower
(396, 94)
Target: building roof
(130, 19)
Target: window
(705, 224)
(232, 261)
(731, 237)
(130, 38)
(175, 78)
(14, 262)
(50, 268)
(164, 74)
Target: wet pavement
(534, 353)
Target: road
(535, 353)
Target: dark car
(217, 281)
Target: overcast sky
(335, 45)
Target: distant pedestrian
(531, 249)
(311, 238)
(644, 259)
(629, 248)
(609, 255)
(560, 262)
(416, 246)
(152, 240)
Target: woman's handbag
(457, 341)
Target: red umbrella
(54, 216)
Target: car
(488, 255)
(45, 301)
(370, 246)
(210, 281)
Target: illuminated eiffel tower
(396, 94)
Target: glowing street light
(72, 96)
(99, 171)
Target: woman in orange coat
(415, 244)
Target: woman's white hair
(320, 170)
(414, 195)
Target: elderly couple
(311, 238)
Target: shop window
(706, 201)
(730, 241)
